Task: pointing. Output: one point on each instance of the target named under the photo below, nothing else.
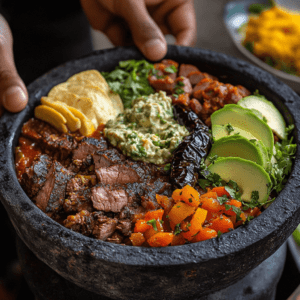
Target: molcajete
(125, 272)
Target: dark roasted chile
(185, 116)
(187, 157)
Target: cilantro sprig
(130, 80)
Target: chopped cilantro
(153, 223)
(229, 128)
(212, 159)
(171, 69)
(167, 167)
(177, 229)
(130, 80)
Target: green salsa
(147, 131)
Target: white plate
(236, 14)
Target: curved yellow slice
(51, 116)
(73, 123)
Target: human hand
(144, 23)
(13, 93)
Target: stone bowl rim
(11, 190)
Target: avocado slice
(239, 146)
(245, 120)
(237, 108)
(272, 115)
(219, 131)
(248, 175)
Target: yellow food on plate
(73, 123)
(51, 116)
(273, 36)
(89, 94)
(87, 126)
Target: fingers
(13, 93)
(181, 20)
(146, 34)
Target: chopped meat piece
(117, 174)
(183, 85)
(196, 106)
(186, 69)
(104, 227)
(161, 69)
(82, 156)
(166, 84)
(125, 226)
(51, 196)
(116, 238)
(201, 86)
(56, 144)
(243, 91)
(196, 76)
(34, 177)
(107, 158)
(106, 198)
(183, 99)
(82, 222)
(78, 193)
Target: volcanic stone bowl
(125, 272)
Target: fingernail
(14, 99)
(154, 49)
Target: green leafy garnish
(153, 223)
(177, 229)
(229, 128)
(171, 69)
(130, 80)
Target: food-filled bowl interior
(235, 252)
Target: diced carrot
(151, 231)
(243, 217)
(176, 195)
(220, 190)
(235, 203)
(141, 226)
(154, 214)
(137, 217)
(210, 194)
(222, 224)
(178, 240)
(212, 205)
(137, 239)
(190, 196)
(180, 211)
(196, 223)
(212, 215)
(165, 202)
(204, 234)
(160, 239)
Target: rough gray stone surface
(124, 272)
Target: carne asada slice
(34, 177)
(78, 194)
(82, 155)
(109, 198)
(104, 227)
(51, 196)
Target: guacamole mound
(147, 131)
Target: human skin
(125, 22)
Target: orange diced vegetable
(205, 234)
(137, 217)
(176, 195)
(196, 223)
(190, 196)
(222, 223)
(141, 226)
(210, 194)
(235, 203)
(238, 223)
(180, 211)
(160, 239)
(178, 240)
(156, 227)
(220, 190)
(212, 205)
(165, 202)
(137, 239)
(154, 214)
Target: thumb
(13, 93)
(146, 34)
